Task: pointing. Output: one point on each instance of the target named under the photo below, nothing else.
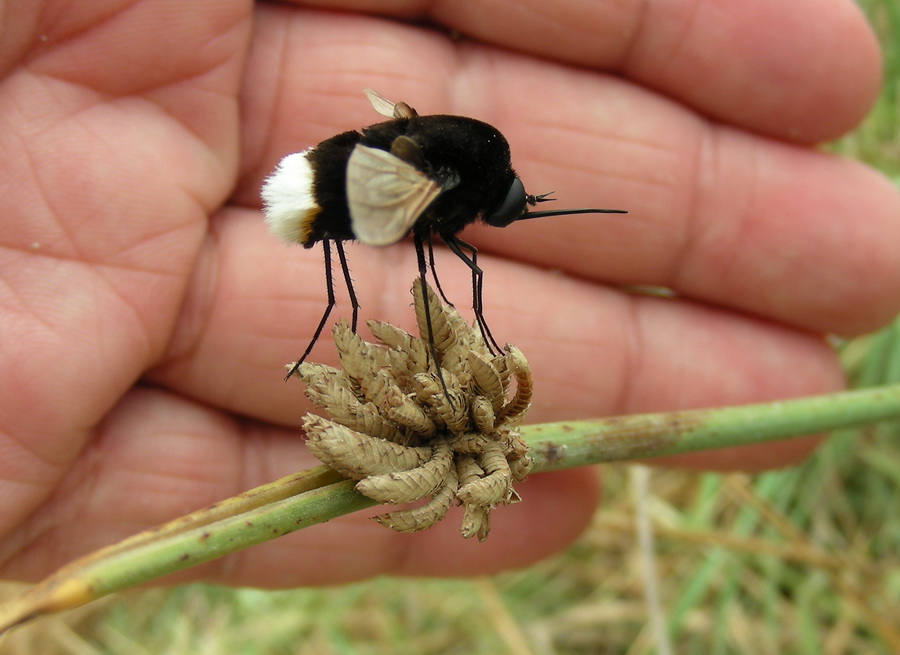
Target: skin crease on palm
(147, 313)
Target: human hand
(147, 312)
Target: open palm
(146, 313)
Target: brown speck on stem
(392, 427)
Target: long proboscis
(568, 212)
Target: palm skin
(146, 313)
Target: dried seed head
(405, 436)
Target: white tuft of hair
(288, 200)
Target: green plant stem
(556, 446)
(148, 555)
(311, 497)
(192, 547)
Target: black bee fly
(424, 175)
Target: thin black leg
(457, 245)
(346, 269)
(420, 256)
(437, 282)
(329, 288)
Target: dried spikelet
(501, 364)
(520, 467)
(325, 386)
(516, 408)
(406, 435)
(482, 414)
(411, 485)
(366, 418)
(467, 469)
(496, 486)
(511, 442)
(469, 338)
(427, 385)
(401, 409)
(359, 359)
(423, 516)
(487, 379)
(476, 522)
(380, 386)
(414, 352)
(357, 455)
(449, 409)
(476, 518)
(331, 389)
(442, 331)
(470, 443)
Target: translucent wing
(379, 103)
(387, 108)
(385, 194)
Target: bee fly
(425, 175)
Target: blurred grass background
(799, 561)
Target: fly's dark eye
(512, 208)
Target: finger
(163, 456)
(790, 234)
(719, 215)
(594, 351)
(105, 193)
(767, 66)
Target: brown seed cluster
(395, 429)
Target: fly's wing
(379, 103)
(385, 194)
(387, 108)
